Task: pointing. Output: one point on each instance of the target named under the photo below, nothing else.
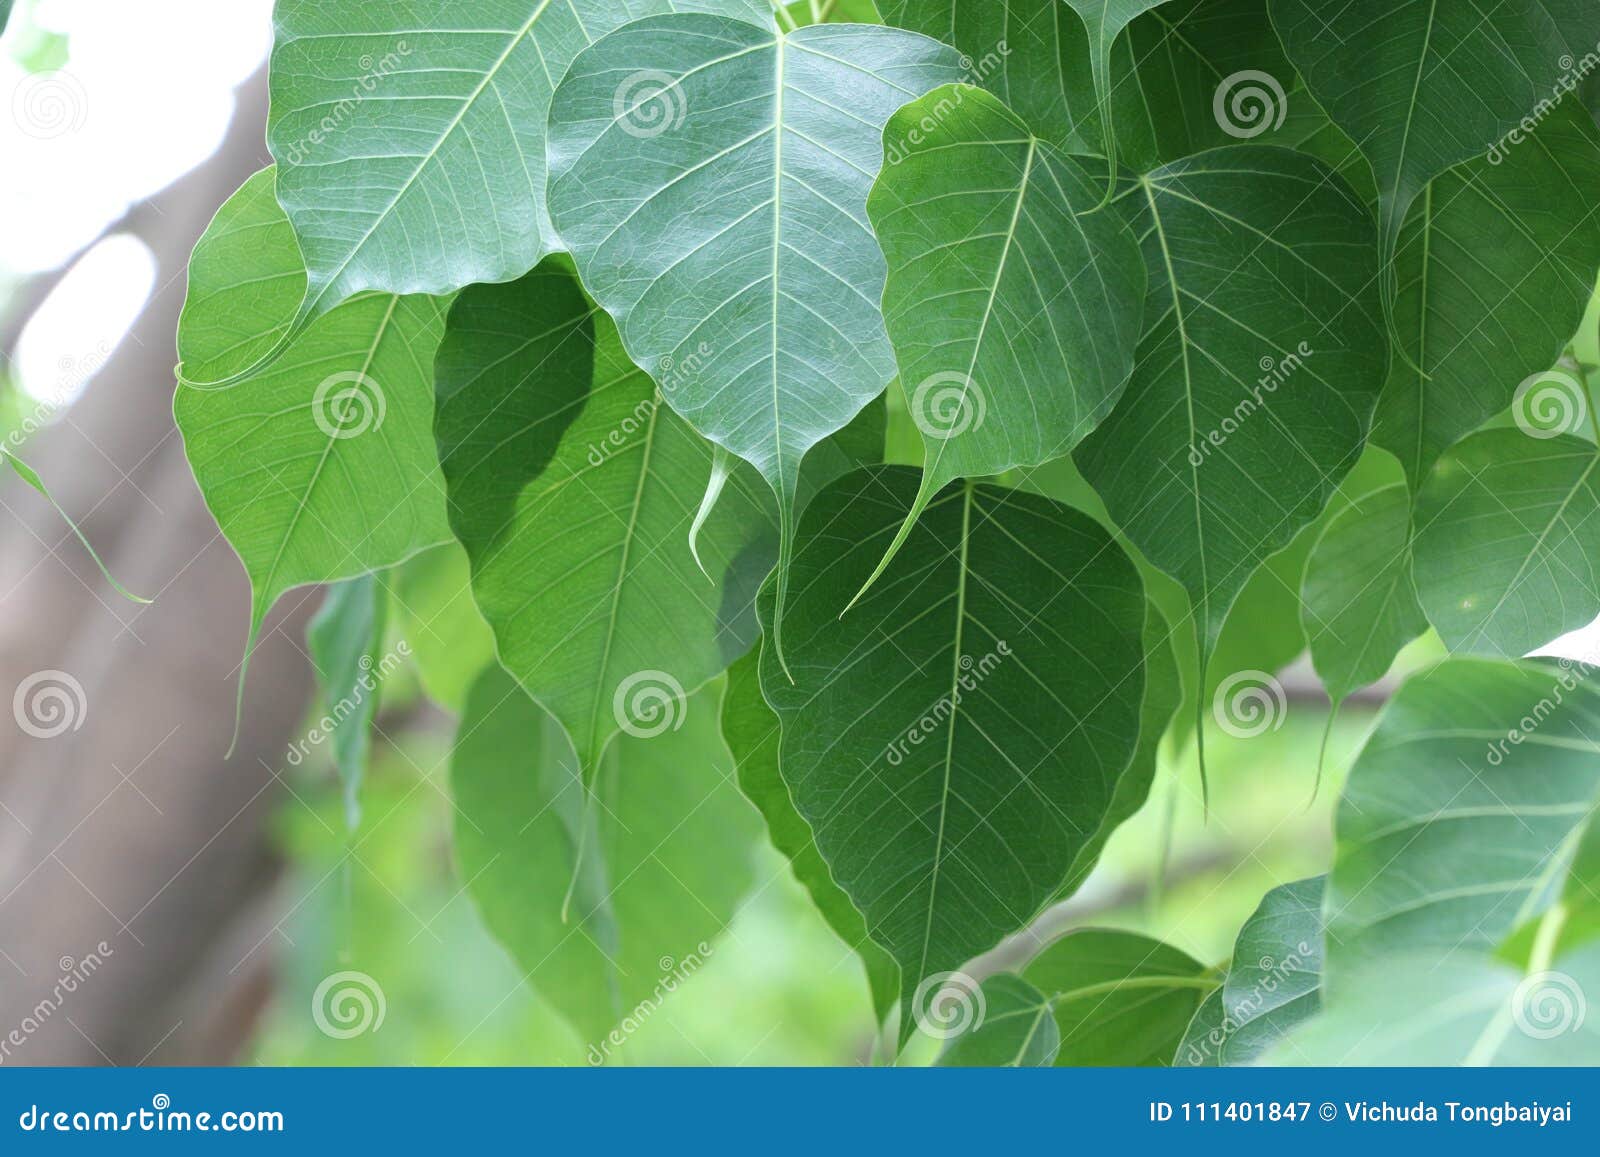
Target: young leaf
(952, 744)
(410, 137)
(30, 478)
(322, 466)
(750, 728)
(573, 491)
(345, 639)
(1012, 1028)
(1275, 982)
(1261, 363)
(1119, 998)
(1476, 318)
(1013, 310)
(1506, 554)
(450, 642)
(662, 858)
(1358, 601)
(736, 227)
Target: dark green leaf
(1012, 1028)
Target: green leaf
(1478, 318)
(1013, 310)
(1462, 811)
(952, 746)
(1261, 363)
(1359, 602)
(322, 466)
(751, 730)
(450, 642)
(345, 639)
(1506, 554)
(1201, 1046)
(1275, 982)
(573, 491)
(1104, 21)
(30, 478)
(662, 854)
(1421, 85)
(1120, 998)
(411, 136)
(736, 227)
(1012, 1028)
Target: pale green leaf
(1275, 981)
(450, 642)
(1012, 1028)
(345, 639)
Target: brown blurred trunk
(129, 829)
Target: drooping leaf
(1421, 85)
(1013, 1028)
(450, 642)
(1261, 363)
(1275, 980)
(952, 808)
(1014, 311)
(1120, 998)
(750, 728)
(1508, 541)
(661, 856)
(1201, 1046)
(31, 479)
(737, 227)
(410, 136)
(573, 491)
(1104, 21)
(1359, 602)
(321, 467)
(345, 639)
(1461, 811)
(1478, 319)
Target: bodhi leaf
(344, 639)
(1013, 310)
(1201, 1047)
(322, 466)
(660, 861)
(410, 136)
(1507, 532)
(954, 742)
(1275, 982)
(1119, 998)
(1104, 21)
(1012, 1028)
(1420, 85)
(1359, 603)
(1261, 362)
(736, 228)
(450, 642)
(573, 491)
(1478, 319)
